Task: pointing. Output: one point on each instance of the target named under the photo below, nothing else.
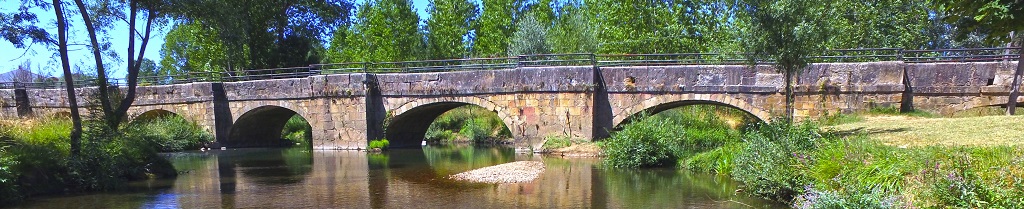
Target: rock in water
(514, 172)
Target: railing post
(899, 55)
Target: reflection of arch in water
(433, 164)
(260, 127)
(410, 122)
(266, 166)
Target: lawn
(909, 131)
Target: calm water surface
(414, 178)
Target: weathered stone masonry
(347, 110)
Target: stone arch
(660, 103)
(261, 127)
(153, 114)
(61, 114)
(409, 122)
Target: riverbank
(35, 155)
(876, 161)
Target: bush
(169, 134)
(555, 142)
(297, 130)
(35, 160)
(771, 165)
(472, 123)
(644, 142)
(379, 144)
(719, 160)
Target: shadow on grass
(866, 131)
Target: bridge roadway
(347, 110)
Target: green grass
(378, 144)
(35, 157)
(171, 133)
(875, 159)
(905, 131)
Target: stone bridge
(347, 110)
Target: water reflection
(273, 178)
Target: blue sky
(45, 59)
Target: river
(406, 178)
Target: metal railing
(547, 60)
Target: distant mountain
(20, 75)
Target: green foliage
(719, 160)
(52, 132)
(169, 133)
(676, 135)
(770, 164)
(879, 24)
(38, 162)
(997, 18)
(497, 23)
(529, 38)
(384, 31)
(643, 143)
(297, 130)
(449, 28)
(470, 122)
(261, 34)
(638, 26)
(555, 142)
(378, 144)
(573, 32)
(195, 48)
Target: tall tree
(497, 23)
(652, 26)
(572, 31)
(530, 37)
(449, 27)
(194, 48)
(69, 82)
(267, 33)
(384, 31)
(104, 12)
(786, 32)
(1000, 19)
(879, 24)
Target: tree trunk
(789, 95)
(101, 73)
(1011, 103)
(69, 81)
(135, 63)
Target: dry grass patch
(906, 131)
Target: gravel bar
(514, 172)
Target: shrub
(9, 188)
(719, 160)
(771, 165)
(297, 130)
(379, 144)
(172, 133)
(469, 122)
(555, 142)
(643, 143)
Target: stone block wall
(346, 110)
